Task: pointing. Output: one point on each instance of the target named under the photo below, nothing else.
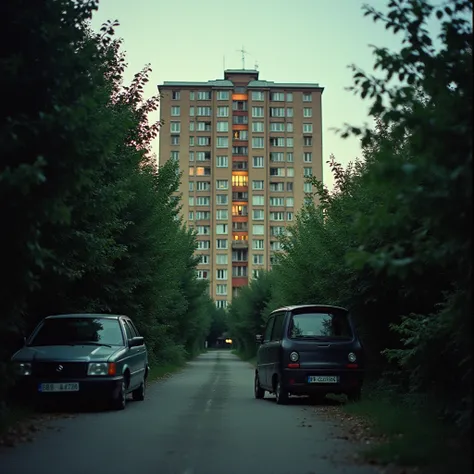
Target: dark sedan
(92, 356)
(309, 350)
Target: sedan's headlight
(23, 368)
(101, 368)
(352, 357)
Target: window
(277, 230)
(221, 244)
(258, 244)
(277, 156)
(222, 214)
(275, 245)
(222, 199)
(257, 127)
(289, 142)
(239, 271)
(222, 126)
(277, 111)
(221, 259)
(191, 126)
(191, 111)
(221, 304)
(222, 95)
(289, 157)
(257, 96)
(191, 200)
(203, 244)
(255, 273)
(191, 156)
(257, 112)
(175, 127)
(221, 229)
(203, 156)
(258, 161)
(307, 157)
(204, 260)
(191, 95)
(203, 215)
(277, 216)
(289, 216)
(203, 201)
(307, 141)
(277, 172)
(203, 111)
(276, 201)
(204, 141)
(203, 186)
(277, 141)
(222, 111)
(222, 142)
(277, 127)
(307, 97)
(258, 200)
(258, 229)
(307, 172)
(175, 155)
(307, 128)
(289, 127)
(318, 324)
(289, 187)
(277, 187)
(222, 161)
(257, 142)
(258, 259)
(221, 290)
(290, 172)
(204, 95)
(203, 126)
(289, 97)
(257, 185)
(290, 202)
(239, 180)
(203, 171)
(307, 112)
(307, 187)
(175, 110)
(203, 230)
(190, 215)
(202, 274)
(277, 96)
(258, 215)
(289, 112)
(222, 184)
(176, 95)
(221, 274)
(241, 135)
(191, 141)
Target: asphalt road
(203, 420)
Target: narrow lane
(203, 420)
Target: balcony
(239, 281)
(239, 226)
(240, 244)
(240, 165)
(239, 212)
(240, 197)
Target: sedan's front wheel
(120, 401)
(139, 393)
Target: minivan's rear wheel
(259, 392)
(281, 394)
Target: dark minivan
(309, 350)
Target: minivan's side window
(268, 330)
(277, 333)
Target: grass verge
(251, 359)
(412, 437)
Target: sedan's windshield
(75, 331)
(320, 326)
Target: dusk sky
(298, 41)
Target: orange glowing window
(200, 171)
(238, 180)
(240, 97)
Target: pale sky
(297, 41)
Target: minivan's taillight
(293, 365)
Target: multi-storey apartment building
(245, 147)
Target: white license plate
(323, 379)
(59, 387)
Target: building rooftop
(253, 84)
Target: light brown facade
(244, 146)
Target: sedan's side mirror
(258, 338)
(136, 341)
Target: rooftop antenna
(243, 56)
(256, 65)
(223, 61)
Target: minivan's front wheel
(259, 392)
(281, 394)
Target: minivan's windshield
(320, 325)
(72, 331)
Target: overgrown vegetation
(90, 223)
(392, 242)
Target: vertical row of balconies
(240, 146)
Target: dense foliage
(393, 240)
(89, 221)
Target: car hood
(78, 353)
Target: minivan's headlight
(352, 357)
(101, 368)
(294, 356)
(23, 368)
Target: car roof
(86, 315)
(302, 306)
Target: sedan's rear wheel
(259, 392)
